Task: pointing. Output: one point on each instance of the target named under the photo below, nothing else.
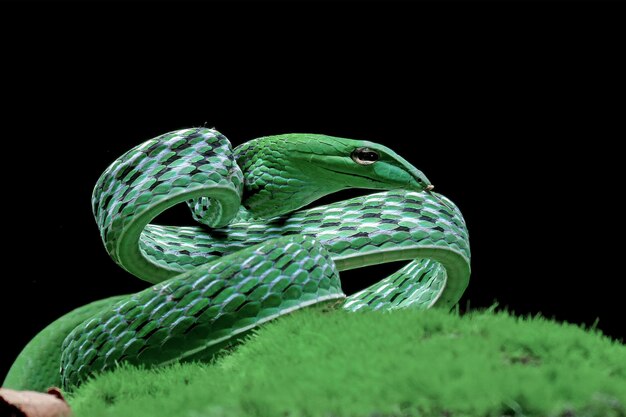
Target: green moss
(404, 363)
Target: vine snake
(256, 254)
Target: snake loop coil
(255, 255)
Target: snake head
(358, 164)
(283, 173)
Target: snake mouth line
(353, 175)
(427, 188)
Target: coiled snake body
(254, 256)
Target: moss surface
(404, 363)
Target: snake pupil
(364, 156)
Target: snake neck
(276, 180)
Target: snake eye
(364, 156)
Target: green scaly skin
(255, 256)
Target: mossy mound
(404, 363)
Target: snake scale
(255, 255)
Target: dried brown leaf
(33, 404)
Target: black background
(511, 111)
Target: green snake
(256, 254)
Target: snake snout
(429, 187)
